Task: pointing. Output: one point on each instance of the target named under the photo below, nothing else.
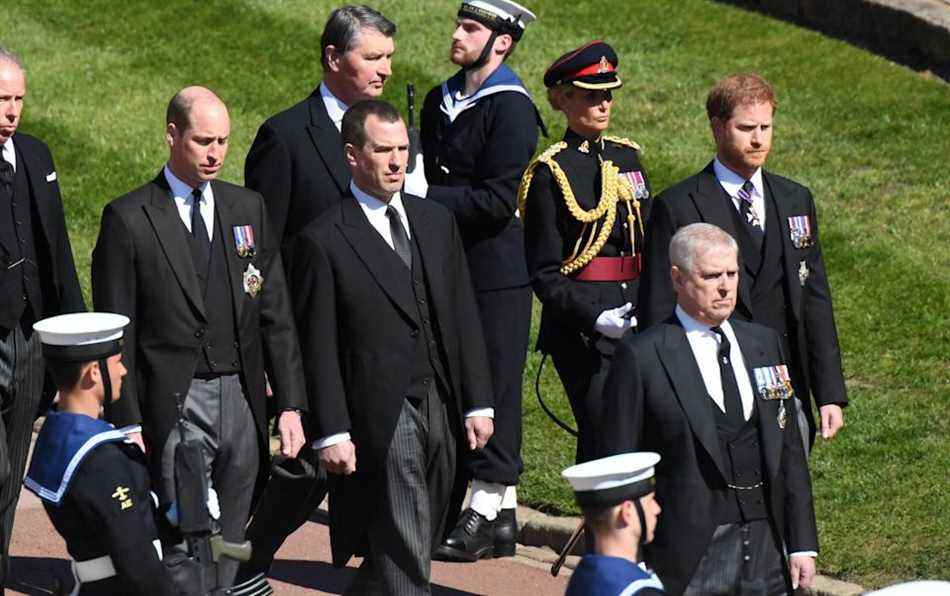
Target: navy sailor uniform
(599, 575)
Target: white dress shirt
(335, 107)
(705, 345)
(375, 211)
(9, 153)
(732, 182)
(181, 193)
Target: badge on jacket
(244, 241)
(799, 230)
(253, 280)
(802, 273)
(639, 186)
(773, 382)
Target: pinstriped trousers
(742, 560)
(21, 385)
(413, 501)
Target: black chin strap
(107, 388)
(643, 522)
(486, 51)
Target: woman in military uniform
(584, 202)
(93, 481)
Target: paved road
(302, 567)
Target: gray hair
(344, 26)
(11, 56)
(697, 238)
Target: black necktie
(400, 238)
(6, 171)
(730, 388)
(199, 231)
(748, 213)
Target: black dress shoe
(470, 540)
(506, 533)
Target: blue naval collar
(61, 446)
(503, 79)
(599, 575)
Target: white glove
(214, 509)
(415, 183)
(614, 322)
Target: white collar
(371, 203)
(181, 189)
(335, 107)
(732, 182)
(9, 155)
(692, 326)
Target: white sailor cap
(503, 16)
(612, 480)
(915, 588)
(81, 337)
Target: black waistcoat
(219, 345)
(427, 349)
(745, 464)
(20, 291)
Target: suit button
(742, 501)
(200, 333)
(237, 344)
(234, 363)
(414, 333)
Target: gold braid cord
(623, 141)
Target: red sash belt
(610, 269)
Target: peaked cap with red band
(591, 66)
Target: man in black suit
(713, 398)
(479, 131)
(193, 262)
(297, 164)
(37, 280)
(783, 285)
(393, 350)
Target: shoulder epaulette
(623, 141)
(544, 158)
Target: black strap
(400, 238)
(544, 406)
(107, 388)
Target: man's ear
(677, 276)
(332, 58)
(90, 375)
(349, 151)
(171, 133)
(502, 44)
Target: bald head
(12, 92)
(197, 132)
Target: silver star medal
(253, 280)
(802, 273)
(781, 415)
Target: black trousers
(218, 414)
(582, 367)
(743, 559)
(21, 386)
(506, 324)
(411, 503)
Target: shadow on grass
(318, 575)
(39, 576)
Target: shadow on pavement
(322, 576)
(39, 576)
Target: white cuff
(804, 553)
(482, 412)
(330, 440)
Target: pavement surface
(302, 566)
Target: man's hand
(478, 429)
(832, 419)
(614, 322)
(339, 458)
(291, 433)
(138, 440)
(802, 570)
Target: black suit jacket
(57, 269)
(358, 321)
(142, 268)
(700, 198)
(297, 163)
(655, 400)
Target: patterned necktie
(730, 388)
(400, 238)
(747, 210)
(199, 231)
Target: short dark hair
(344, 25)
(353, 128)
(736, 90)
(65, 375)
(179, 110)
(599, 518)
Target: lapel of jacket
(327, 141)
(226, 217)
(755, 356)
(381, 260)
(676, 355)
(783, 210)
(710, 202)
(163, 214)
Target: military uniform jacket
(701, 198)
(655, 400)
(142, 268)
(599, 575)
(475, 152)
(95, 488)
(570, 306)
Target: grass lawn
(870, 138)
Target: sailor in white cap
(616, 495)
(479, 130)
(92, 479)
